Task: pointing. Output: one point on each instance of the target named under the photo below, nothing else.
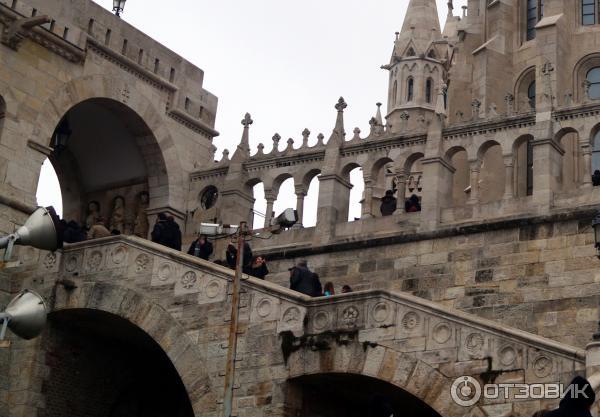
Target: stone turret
(416, 71)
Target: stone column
(475, 168)
(270, 197)
(587, 165)
(367, 209)
(509, 174)
(300, 195)
(401, 186)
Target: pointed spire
(339, 134)
(421, 26)
(243, 149)
(378, 115)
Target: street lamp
(118, 6)
(61, 136)
(596, 226)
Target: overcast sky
(284, 62)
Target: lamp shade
(27, 314)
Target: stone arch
(419, 379)
(154, 321)
(308, 176)
(309, 184)
(256, 219)
(413, 172)
(594, 143)
(458, 158)
(572, 167)
(351, 199)
(580, 71)
(160, 150)
(522, 152)
(278, 180)
(522, 85)
(492, 172)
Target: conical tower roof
(421, 27)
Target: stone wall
(539, 276)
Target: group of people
(307, 282)
(389, 204)
(73, 232)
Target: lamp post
(596, 226)
(118, 6)
(61, 136)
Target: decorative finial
(261, 149)
(247, 120)
(397, 35)
(341, 105)
(305, 135)
(225, 155)
(356, 133)
(464, 9)
(320, 139)
(290, 144)
(276, 139)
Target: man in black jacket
(303, 280)
(201, 248)
(166, 232)
(578, 400)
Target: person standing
(174, 235)
(388, 204)
(160, 232)
(258, 268)
(329, 290)
(303, 280)
(577, 401)
(201, 248)
(231, 255)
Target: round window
(209, 197)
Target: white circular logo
(466, 391)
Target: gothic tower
(416, 69)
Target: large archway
(108, 164)
(101, 365)
(339, 395)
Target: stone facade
(491, 122)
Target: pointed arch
(410, 89)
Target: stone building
(491, 122)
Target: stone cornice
(211, 173)
(482, 127)
(44, 37)
(283, 160)
(192, 123)
(337, 178)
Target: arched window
(409, 89)
(596, 153)
(523, 152)
(535, 12)
(588, 12)
(531, 95)
(593, 77)
(428, 90)
(395, 93)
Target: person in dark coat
(73, 233)
(303, 280)
(412, 205)
(231, 256)
(388, 204)
(596, 178)
(201, 248)
(578, 400)
(318, 291)
(160, 232)
(258, 268)
(174, 241)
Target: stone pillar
(367, 209)
(587, 165)
(334, 198)
(300, 195)
(475, 167)
(401, 186)
(509, 174)
(547, 167)
(270, 197)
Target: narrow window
(65, 33)
(428, 88)
(107, 37)
(409, 89)
(395, 93)
(124, 49)
(140, 56)
(33, 12)
(531, 95)
(593, 77)
(529, 167)
(535, 11)
(91, 26)
(172, 75)
(588, 12)
(596, 153)
(156, 65)
(187, 103)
